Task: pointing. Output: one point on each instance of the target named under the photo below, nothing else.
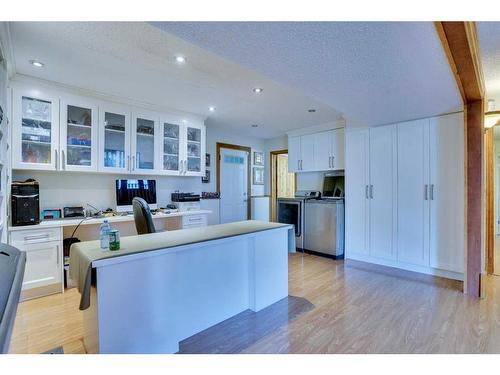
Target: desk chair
(142, 216)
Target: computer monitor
(126, 190)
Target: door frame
(230, 146)
(273, 157)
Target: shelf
(81, 146)
(165, 154)
(145, 135)
(197, 142)
(79, 125)
(172, 138)
(115, 131)
(34, 119)
(36, 142)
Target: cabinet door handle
(329, 162)
(36, 237)
(426, 192)
(333, 161)
(371, 191)
(57, 247)
(133, 162)
(301, 164)
(63, 159)
(298, 164)
(366, 192)
(127, 167)
(57, 159)
(432, 192)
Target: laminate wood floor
(333, 307)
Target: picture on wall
(258, 158)
(207, 160)
(206, 179)
(258, 176)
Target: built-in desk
(43, 244)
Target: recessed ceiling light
(258, 90)
(180, 59)
(211, 109)
(312, 110)
(36, 63)
(255, 125)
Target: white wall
(60, 189)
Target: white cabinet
(114, 138)
(370, 192)
(79, 133)
(35, 130)
(447, 223)
(413, 192)
(321, 151)
(170, 131)
(194, 221)
(404, 195)
(44, 260)
(145, 143)
(193, 150)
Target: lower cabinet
(194, 221)
(405, 195)
(44, 260)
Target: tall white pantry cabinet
(405, 195)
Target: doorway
(283, 183)
(233, 182)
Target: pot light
(258, 90)
(255, 125)
(180, 59)
(211, 109)
(36, 63)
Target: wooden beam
(460, 44)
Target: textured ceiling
(375, 73)
(489, 45)
(136, 60)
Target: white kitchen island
(165, 287)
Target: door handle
(371, 191)
(63, 159)
(366, 192)
(329, 162)
(133, 162)
(432, 192)
(57, 159)
(298, 164)
(426, 192)
(301, 164)
(333, 161)
(127, 167)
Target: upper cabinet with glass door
(79, 134)
(145, 143)
(194, 150)
(114, 139)
(171, 147)
(36, 130)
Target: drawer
(194, 221)
(31, 236)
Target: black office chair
(142, 216)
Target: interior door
(79, 134)
(293, 154)
(307, 152)
(114, 138)
(413, 192)
(35, 133)
(356, 193)
(144, 143)
(447, 192)
(382, 191)
(233, 185)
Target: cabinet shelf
(79, 125)
(36, 142)
(115, 131)
(79, 146)
(145, 135)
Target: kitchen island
(162, 288)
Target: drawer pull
(37, 237)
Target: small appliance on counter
(333, 185)
(51, 214)
(74, 212)
(186, 201)
(25, 202)
(210, 195)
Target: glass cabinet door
(78, 135)
(143, 156)
(115, 140)
(171, 147)
(194, 153)
(36, 139)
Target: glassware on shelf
(193, 135)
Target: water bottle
(104, 235)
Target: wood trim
(220, 145)
(490, 204)
(272, 180)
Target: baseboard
(329, 256)
(41, 291)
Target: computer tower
(25, 203)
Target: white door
(233, 185)
(356, 193)
(35, 134)
(337, 149)
(447, 192)
(145, 143)
(413, 192)
(293, 154)
(79, 134)
(323, 150)
(382, 191)
(114, 138)
(43, 264)
(307, 152)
